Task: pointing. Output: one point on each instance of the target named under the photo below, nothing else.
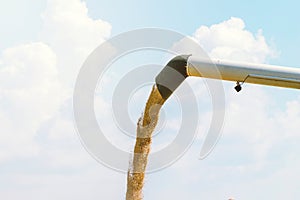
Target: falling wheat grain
(145, 127)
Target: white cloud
(30, 94)
(95, 182)
(230, 40)
(36, 83)
(36, 77)
(72, 34)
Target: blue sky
(277, 19)
(42, 48)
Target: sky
(44, 44)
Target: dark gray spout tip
(172, 75)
